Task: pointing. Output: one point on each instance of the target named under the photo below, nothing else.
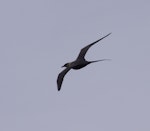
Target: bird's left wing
(61, 77)
(85, 49)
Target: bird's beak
(62, 66)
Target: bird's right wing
(85, 49)
(61, 77)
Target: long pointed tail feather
(100, 60)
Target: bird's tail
(99, 60)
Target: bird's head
(66, 65)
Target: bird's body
(79, 63)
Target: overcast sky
(37, 37)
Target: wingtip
(58, 88)
(110, 33)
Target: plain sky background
(37, 37)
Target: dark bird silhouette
(79, 63)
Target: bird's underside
(79, 63)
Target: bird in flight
(79, 63)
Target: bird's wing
(85, 49)
(61, 77)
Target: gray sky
(39, 36)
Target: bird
(79, 63)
